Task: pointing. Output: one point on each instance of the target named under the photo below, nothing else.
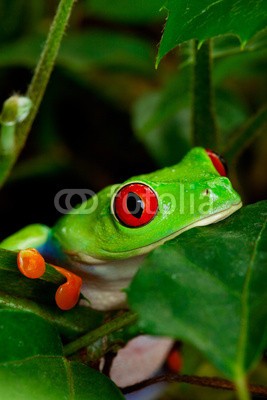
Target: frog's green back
(195, 166)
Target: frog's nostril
(206, 192)
(210, 194)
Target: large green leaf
(194, 19)
(32, 365)
(208, 287)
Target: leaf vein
(69, 379)
(245, 308)
(202, 12)
(36, 356)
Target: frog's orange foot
(68, 294)
(32, 265)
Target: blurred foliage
(130, 12)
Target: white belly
(103, 284)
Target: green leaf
(106, 49)
(194, 19)
(26, 335)
(18, 17)
(161, 120)
(240, 65)
(208, 287)
(231, 113)
(90, 49)
(246, 135)
(44, 378)
(126, 11)
(32, 365)
(89, 381)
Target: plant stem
(211, 382)
(204, 128)
(39, 83)
(91, 337)
(242, 388)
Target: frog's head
(130, 219)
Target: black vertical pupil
(135, 205)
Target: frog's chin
(210, 219)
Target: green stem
(7, 138)
(204, 129)
(106, 329)
(39, 82)
(242, 389)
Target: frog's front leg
(31, 241)
(34, 235)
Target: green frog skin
(104, 240)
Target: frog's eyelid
(218, 162)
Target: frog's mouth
(128, 254)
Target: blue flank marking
(50, 250)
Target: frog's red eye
(218, 162)
(135, 205)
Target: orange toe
(68, 294)
(30, 263)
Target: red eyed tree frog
(105, 239)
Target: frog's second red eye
(135, 205)
(218, 162)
